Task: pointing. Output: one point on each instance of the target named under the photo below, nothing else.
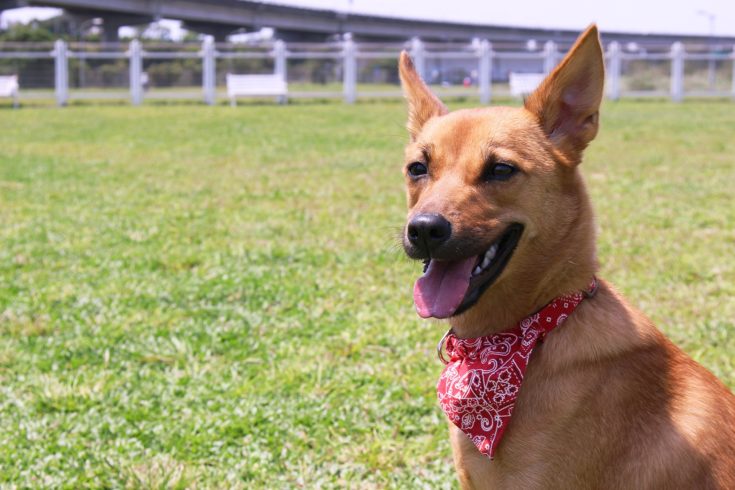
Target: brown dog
(607, 401)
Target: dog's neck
(546, 271)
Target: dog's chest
(532, 452)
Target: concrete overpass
(222, 17)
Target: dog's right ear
(422, 103)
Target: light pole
(711, 63)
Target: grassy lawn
(215, 297)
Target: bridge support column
(110, 28)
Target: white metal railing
(480, 54)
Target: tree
(34, 32)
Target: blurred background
(194, 295)
(347, 49)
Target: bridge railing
(66, 72)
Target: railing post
(349, 71)
(677, 72)
(61, 74)
(279, 64)
(135, 53)
(485, 78)
(613, 70)
(209, 85)
(418, 56)
(550, 56)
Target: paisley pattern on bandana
(479, 385)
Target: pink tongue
(440, 290)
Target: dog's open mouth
(449, 287)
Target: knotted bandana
(479, 385)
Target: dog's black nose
(428, 231)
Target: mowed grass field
(215, 297)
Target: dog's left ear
(422, 103)
(567, 102)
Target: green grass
(214, 297)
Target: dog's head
(496, 203)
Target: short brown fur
(608, 401)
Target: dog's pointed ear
(567, 102)
(422, 103)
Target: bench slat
(252, 85)
(9, 86)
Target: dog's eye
(417, 169)
(500, 171)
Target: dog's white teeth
(490, 254)
(487, 259)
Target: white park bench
(522, 84)
(256, 86)
(9, 88)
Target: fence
(347, 70)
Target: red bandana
(479, 385)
